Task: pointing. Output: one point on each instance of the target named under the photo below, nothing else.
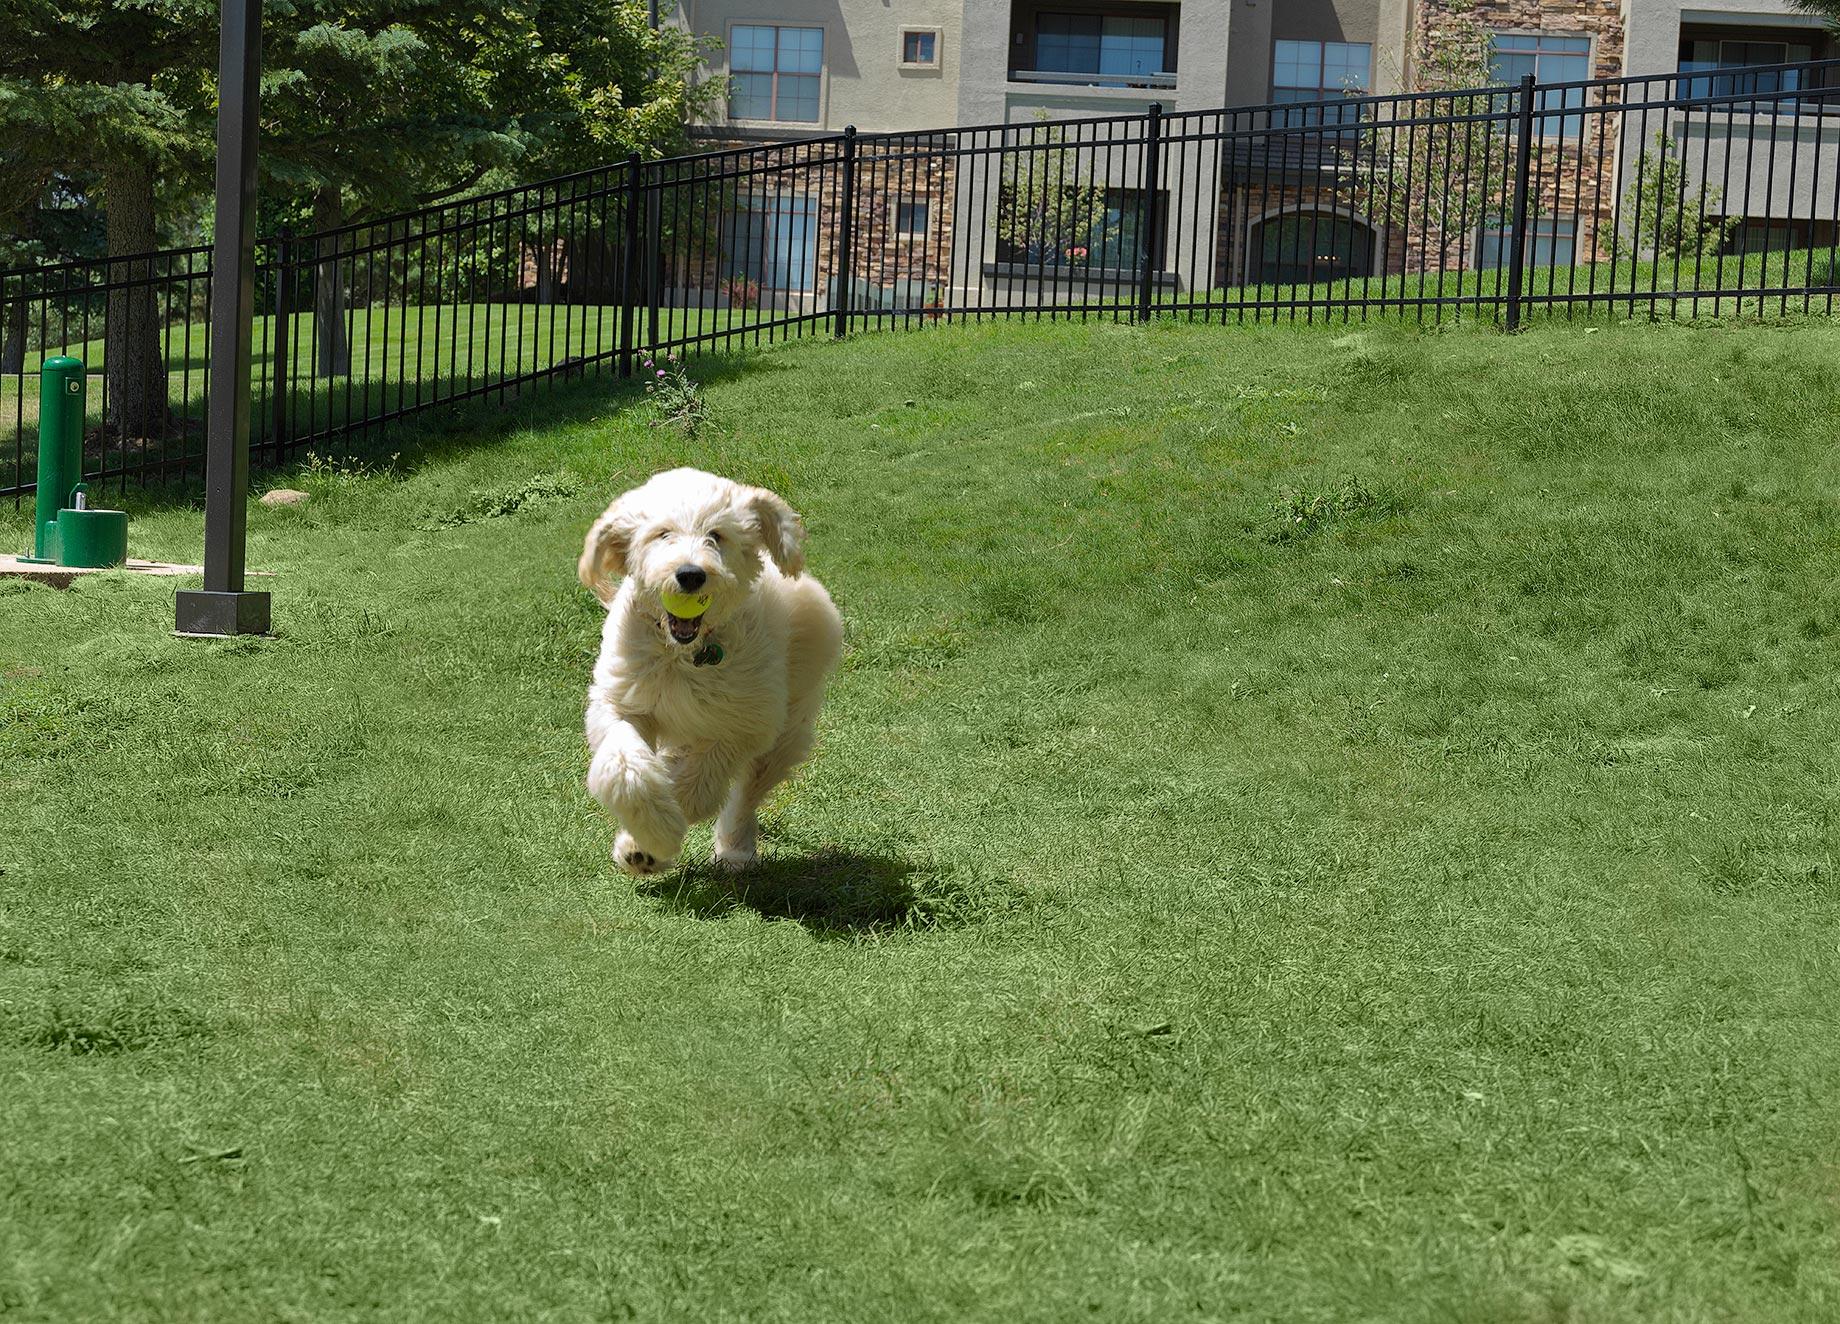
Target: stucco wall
(863, 83)
(1653, 26)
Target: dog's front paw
(736, 844)
(734, 858)
(638, 862)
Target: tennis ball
(684, 606)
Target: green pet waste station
(70, 532)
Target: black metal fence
(1703, 192)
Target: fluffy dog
(690, 717)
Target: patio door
(775, 243)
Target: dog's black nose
(690, 578)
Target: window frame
(1098, 77)
(1700, 78)
(926, 223)
(1567, 113)
(1503, 227)
(773, 95)
(908, 30)
(1114, 255)
(769, 208)
(1253, 261)
(1319, 91)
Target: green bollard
(60, 449)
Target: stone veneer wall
(1574, 176)
(887, 174)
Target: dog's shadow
(833, 893)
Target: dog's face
(692, 533)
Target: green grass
(452, 346)
(1621, 289)
(1311, 826)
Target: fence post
(629, 261)
(224, 606)
(1517, 237)
(654, 258)
(846, 245)
(279, 376)
(1146, 236)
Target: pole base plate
(217, 615)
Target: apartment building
(809, 67)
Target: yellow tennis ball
(684, 606)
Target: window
(1550, 59)
(1551, 241)
(1116, 48)
(910, 219)
(1300, 247)
(774, 73)
(1319, 71)
(774, 242)
(1085, 226)
(1706, 56)
(1763, 237)
(920, 47)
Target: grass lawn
(1622, 289)
(1311, 826)
(398, 356)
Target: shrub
(678, 398)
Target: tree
(1663, 216)
(580, 82)
(376, 106)
(123, 91)
(1048, 210)
(25, 178)
(1445, 175)
(369, 121)
(370, 106)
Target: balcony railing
(1068, 79)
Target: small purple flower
(661, 372)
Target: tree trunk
(132, 355)
(332, 348)
(13, 346)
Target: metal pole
(223, 607)
(629, 257)
(1523, 168)
(279, 375)
(846, 247)
(1147, 216)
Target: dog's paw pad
(629, 857)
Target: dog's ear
(782, 532)
(603, 553)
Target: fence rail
(1699, 192)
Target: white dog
(688, 717)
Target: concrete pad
(62, 576)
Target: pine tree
(122, 93)
(369, 106)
